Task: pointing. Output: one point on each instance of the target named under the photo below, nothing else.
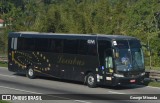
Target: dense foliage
(139, 18)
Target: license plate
(132, 81)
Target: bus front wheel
(91, 80)
(30, 73)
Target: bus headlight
(118, 75)
(142, 74)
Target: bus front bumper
(127, 80)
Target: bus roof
(70, 36)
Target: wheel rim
(30, 72)
(90, 80)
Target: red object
(1, 21)
(133, 81)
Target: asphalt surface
(63, 91)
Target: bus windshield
(130, 56)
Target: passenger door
(108, 63)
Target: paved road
(68, 91)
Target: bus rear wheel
(30, 73)
(91, 80)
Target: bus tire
(30, 73)
(91, 80)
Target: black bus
(93, 59)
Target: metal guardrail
(3, 59)
(153, 75)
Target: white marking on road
(7, 76)
(82, 101)
(32, 92)
(116, 92)
(19, 90)
(43, 94)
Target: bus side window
(26, 44)
(41, 44)
(70, 46)
(51, 45)
(14, 43)
(109, 62)
(92, 49)
(58, 46)
(83, 47)
(21, 43)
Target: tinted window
(21, 44)
(42, 44)
(70, 46)
(83, 46)
(121, 44)
(86, 48)
(51, 45)
(26, 44)
(92, 50)
(103, 44)
(9, 43)
(56, 45)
